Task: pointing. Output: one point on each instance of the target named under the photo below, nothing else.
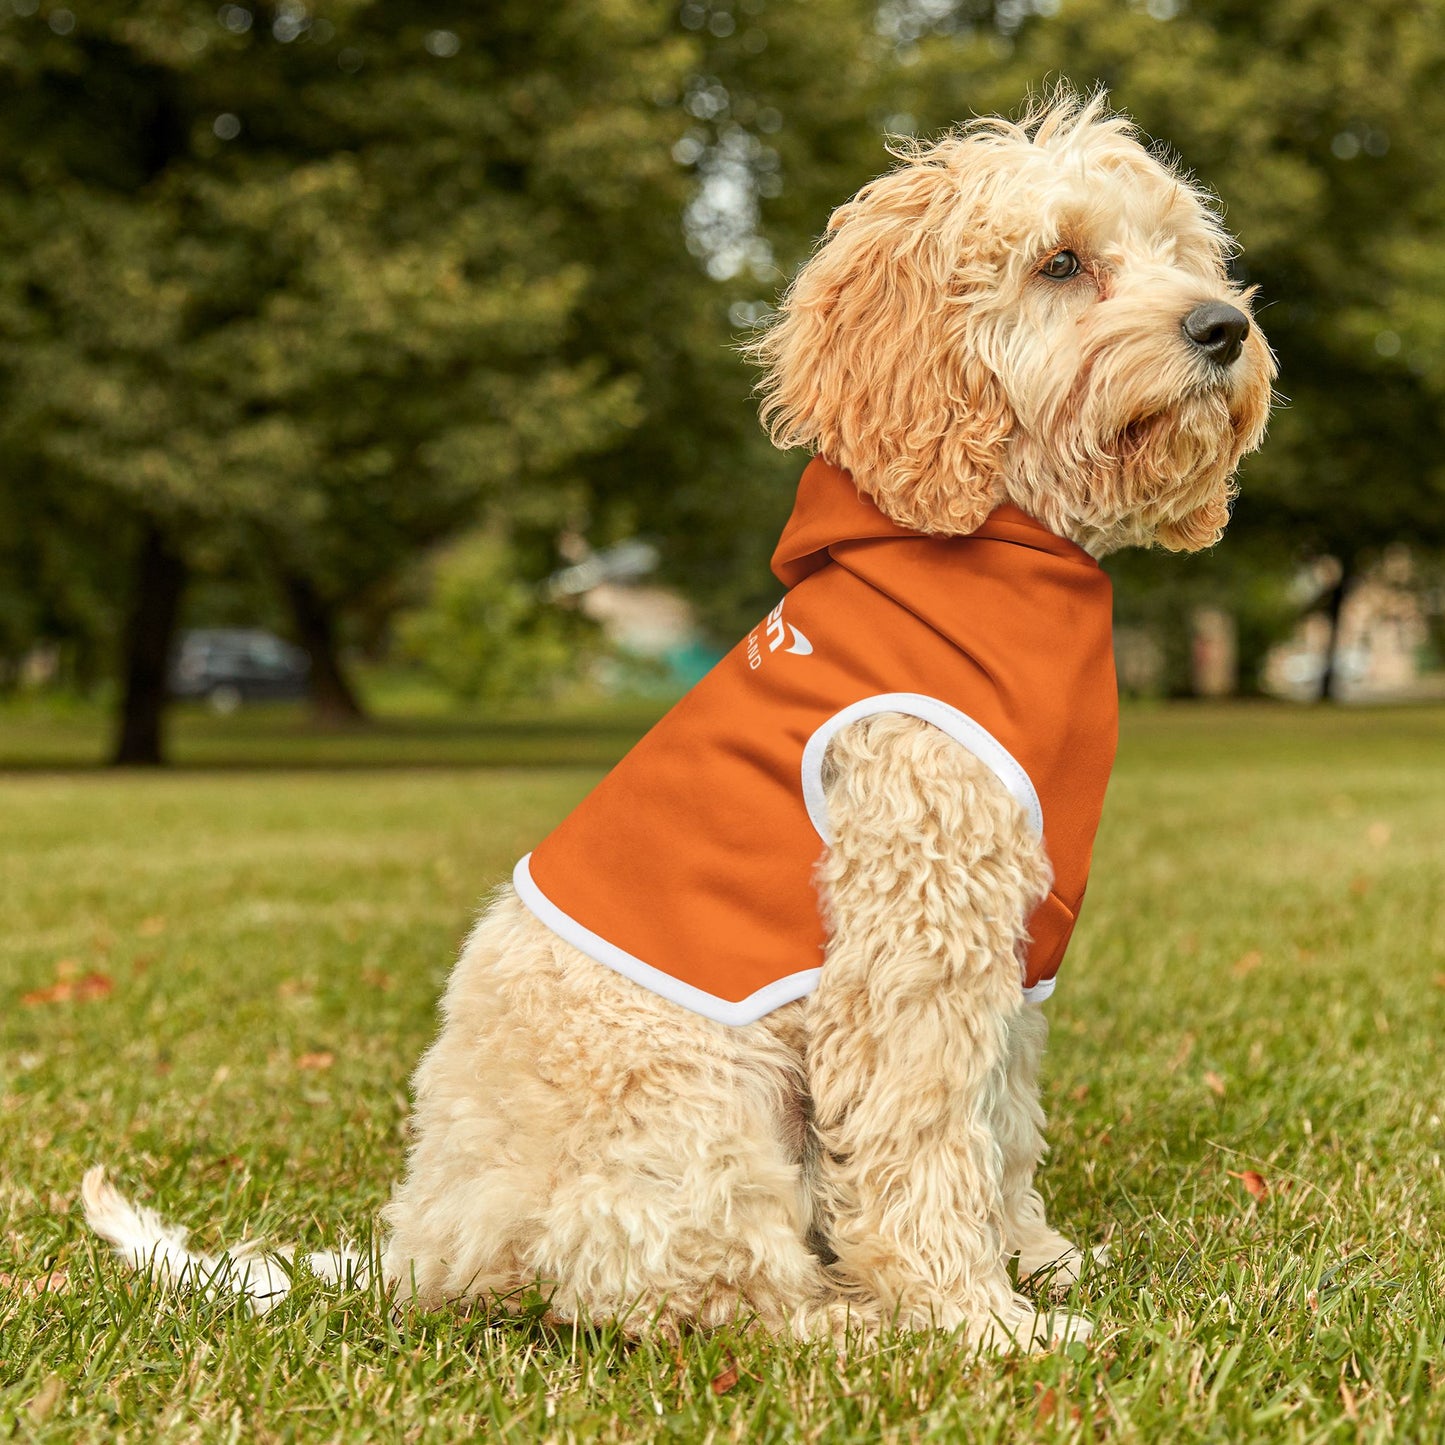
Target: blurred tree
(486, 634)
(309, 282)
(783, 108)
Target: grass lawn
(216, 980)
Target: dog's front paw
(1057, 1267)
(1023, 1326)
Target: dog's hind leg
(929, 881)
(578, 1135)
(681, 1198)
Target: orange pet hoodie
(690, 867)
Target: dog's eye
(1060, 266)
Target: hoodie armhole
(947, 719)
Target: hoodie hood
(830, 517)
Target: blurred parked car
(230, 665)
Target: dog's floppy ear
(873, 362)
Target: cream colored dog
(1036, 313)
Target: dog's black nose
(1218, 330)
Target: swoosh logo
(801, 645)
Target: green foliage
(318, 288)
(486, 634)
(310, 293)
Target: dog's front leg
(927, 887)
(1042, 1251)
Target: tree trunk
(1329, 676)
(333, 699)
(160, 579)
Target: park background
(408, 334)
(360, 327)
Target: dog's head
(1036, 312)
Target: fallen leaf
(1440, 980)
(1046, 1407)
(56, 993)
(1248, 962)
(151, 927)
(724, 1382)
(1214, 1083)
(66, 990)
(1378, 834)
(1080, 1094)
(1360, 885)
(56, 1282)
(1255, 1184)
(377, 978)
(322, 1059)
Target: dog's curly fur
(864, 1156)
(867, 1153)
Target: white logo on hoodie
(777, 634)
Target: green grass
(1256, 985)
(407, 728)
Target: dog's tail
(147, 1243)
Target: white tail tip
(148, 1244)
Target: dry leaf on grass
(67, 990)
(1214, 1083)
(322, 1059)
(1248, 962)
(722, 1383)
(56, 1282)
(1255, 1184)
(151, 927)
(1378, 834)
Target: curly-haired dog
(756, 1031)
